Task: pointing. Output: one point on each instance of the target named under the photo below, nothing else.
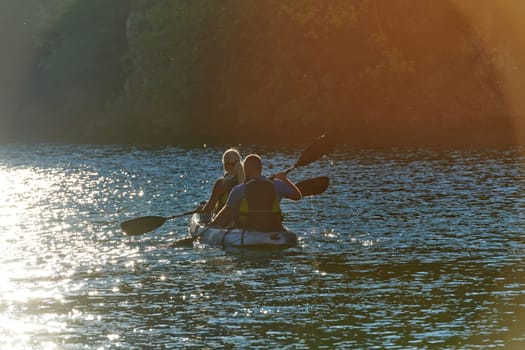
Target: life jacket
(228, 184)
(260, 209)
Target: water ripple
(408, 248)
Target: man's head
(252, 166)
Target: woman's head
(232, 161)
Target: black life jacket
(260, 209)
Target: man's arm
(294, 193)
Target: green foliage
(80, 67)
(257, 71)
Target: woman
(233, 175)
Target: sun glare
(501, 26)
(23, 281)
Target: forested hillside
(230, 71)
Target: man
(254, 205)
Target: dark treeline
(272, 71)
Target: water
(407, 249)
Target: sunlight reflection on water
(407, 248)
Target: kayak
(238, 237)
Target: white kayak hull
(238, 237)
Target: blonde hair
(232, 155)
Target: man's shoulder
(238, 190)
(236, 195)
(279, 183)
(239, 187)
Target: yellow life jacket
(260, 209)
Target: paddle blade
(142, 225)
(313, 186)
(323, 145)
(183, 243)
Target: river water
(407, 249)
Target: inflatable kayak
(238, 237)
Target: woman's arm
(216, 193)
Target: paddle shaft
(182, 214)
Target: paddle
(323, 145)
(312, 187)
(145, 224)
